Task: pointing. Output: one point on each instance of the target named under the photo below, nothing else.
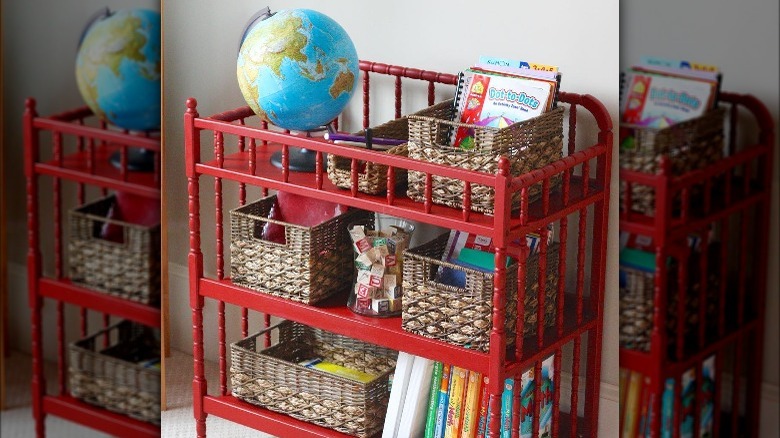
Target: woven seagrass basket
(372, 177)
(637, 292)
(129, 269)
(688, 145)
(272, 378)
(463, 316)
(529, 145)
(106, 378)
(313, 263)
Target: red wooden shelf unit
(727, 205)
(235, 151)
(72, 150)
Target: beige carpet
(17, 419)
(177, 420)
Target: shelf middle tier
(235, 168)
(334, 316)
(64, 290)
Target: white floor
(17, 419)
(177, 420)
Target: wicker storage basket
(637, 292)
(313, 263)
(129, 269)
(463, 316)
(529, 145)
(107, 378)
(272, 378)
(373, 179)
(688, 145)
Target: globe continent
(118, 69)
(297, 69)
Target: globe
(118, 69)
(297, 69)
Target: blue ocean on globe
(297, 69)
(118, 69)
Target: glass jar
(377, 289)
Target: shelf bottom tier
(94, 417)
(237, 411)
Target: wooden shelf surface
(66, 291)
(98, 418)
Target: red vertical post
(366, 98)
(390, 185)
(398, 91)
(35, 301)
(195, 264)
(497, 333)
(219, 155)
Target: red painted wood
(741, 191)
(99, 419)
(85, 164)
(577, 314)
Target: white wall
(742, 39)
(200, 45)
(40, 40)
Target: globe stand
(301, 159)
(138, 160)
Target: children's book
(484, 401)
(498, 100)
(667, 408)
(433, 400)
(546, 392)
(455, 407)
(631, 407)
(471, 405)
(403, 371)
(688, 402)
(507, 397)
(415, 407)
(708, 397)
(443, 403)
(515, 63)
(657, 101)
(652, 61)
(644, 402)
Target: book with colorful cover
(515, 63)
(471, 405)
(644, 401)
(484, 402)
(687, 403)
(708, 397)
(657, 101)
(433, 400)
(441, 405)
(546, 382)
(495, 100)
(631, 414)
(652, 61)
(507, 397)
(667, 408)
(455, 406)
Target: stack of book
(438, 400)
(498, 92)
(659, 92)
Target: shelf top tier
(688, 202)
(243, 145)
(76, 146)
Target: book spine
(632, 405)
(471, 408)
(441, 405)
(667, 409)
(430, 420)
(484, 402)
(455, 408)
(624, 372)
(644, 400)
(507, 397)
